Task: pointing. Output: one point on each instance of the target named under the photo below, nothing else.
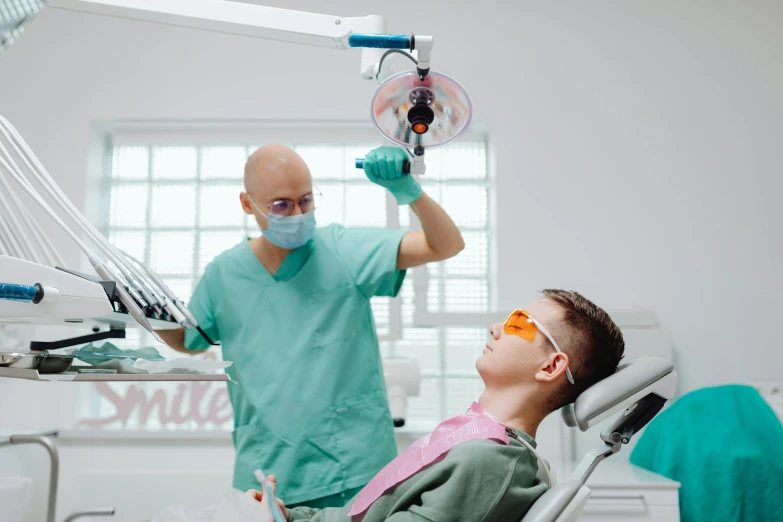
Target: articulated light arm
(269, 23)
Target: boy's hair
(593, 343)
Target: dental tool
(169, 295)
(176, 306)
(269, 495)
(167, 301)
(43, 177)
(134, 277)
(54, 191)
(141, 290)
(100, 268)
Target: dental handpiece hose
(23, 151)
(100, 268)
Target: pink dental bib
(476, 424)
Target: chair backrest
(634, 379)
(640, 387)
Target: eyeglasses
(284, 207)
(521, 324)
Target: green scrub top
(310, 406)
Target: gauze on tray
(143, 360)
(183, 365)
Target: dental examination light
(418, 110)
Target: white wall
(637, 145)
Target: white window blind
(177, 206)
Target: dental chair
(637, 391)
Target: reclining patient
(478, 466)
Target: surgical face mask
(287, 232)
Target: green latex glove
(383, 167)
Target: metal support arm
(237, 18)
(111, 333)
(45, 440)
(95, 512)
(592, 459)
(221, 16)
(54, 472)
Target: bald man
(292, 310)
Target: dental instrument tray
(121, 317)
(42, 363)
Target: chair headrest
(633, 380)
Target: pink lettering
(105, 390)
(220, 402)
(197, 392)
(170, 410)
(136, 397)
(175, 414)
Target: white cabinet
(622, 492)
(639, 506)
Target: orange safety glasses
(521, 324)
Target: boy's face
(512, 360)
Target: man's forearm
(439, 229)
(175, 339)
